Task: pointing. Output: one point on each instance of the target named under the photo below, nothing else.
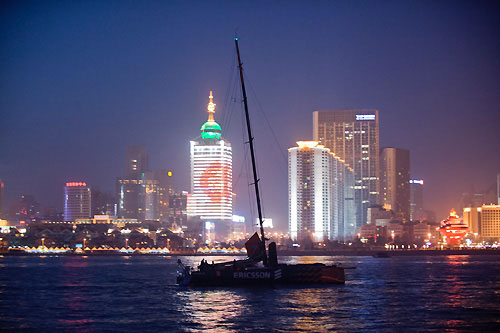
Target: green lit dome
(211, 130)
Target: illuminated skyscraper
(139, 198)
(320, 193)
(353, 135)
(77, 199)
(395, 181)
(211, 175)
(143, 194)
(165, 190)
(416, 198)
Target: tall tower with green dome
(211, 178)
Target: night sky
(80, 80)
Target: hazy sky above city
(79, 80)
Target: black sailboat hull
(252, 276)
(282, 274)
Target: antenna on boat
(252, 154)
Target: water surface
(453, 293)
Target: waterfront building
(102, 203)
(131, 188)
(490, 222)
(343, 205)
(484, 221)
(395, 231)
(149, 197)
(77, 201)
(423, 231)
(416, 198)
(395, 181)
(472, 218)
(211, 178)
(453, 229)
(318, 185)
(143, 194)
(128, 193)
(353, 136)
(139, 198)
(178, 209)
(378, 215)
(165, 190)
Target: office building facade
(139, 198)
(353, 136)
(395, 181)
(483, 222)
(416, 198)
(164, 191)
(77, 201)
(318, 185)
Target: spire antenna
(211, 107)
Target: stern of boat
(183, 274)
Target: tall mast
(252, 154)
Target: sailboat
(261, 267)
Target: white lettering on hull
(252, 275)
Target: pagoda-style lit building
(453, 229)
(211, 178)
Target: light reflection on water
(138, 293)
(212, 309)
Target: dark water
(453, 293)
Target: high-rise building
(483, 221)
(319, 184)
(165, 190)
(490, 222)
(77, 201)
(139, 198)
(149, 197)
(472, 218)
(416, 198)
(343, 206)
(136, 161)
(353, 135)
(142, 194)
(211, 175)
(395, 181)
(102, 203)
(178, 209)
(128, 194)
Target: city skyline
(436, 94)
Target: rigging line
(232, 98)
(245, 162)
(249, 180)
(226, 119)
(261, 110)
(247, 173)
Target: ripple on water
(137, 294)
